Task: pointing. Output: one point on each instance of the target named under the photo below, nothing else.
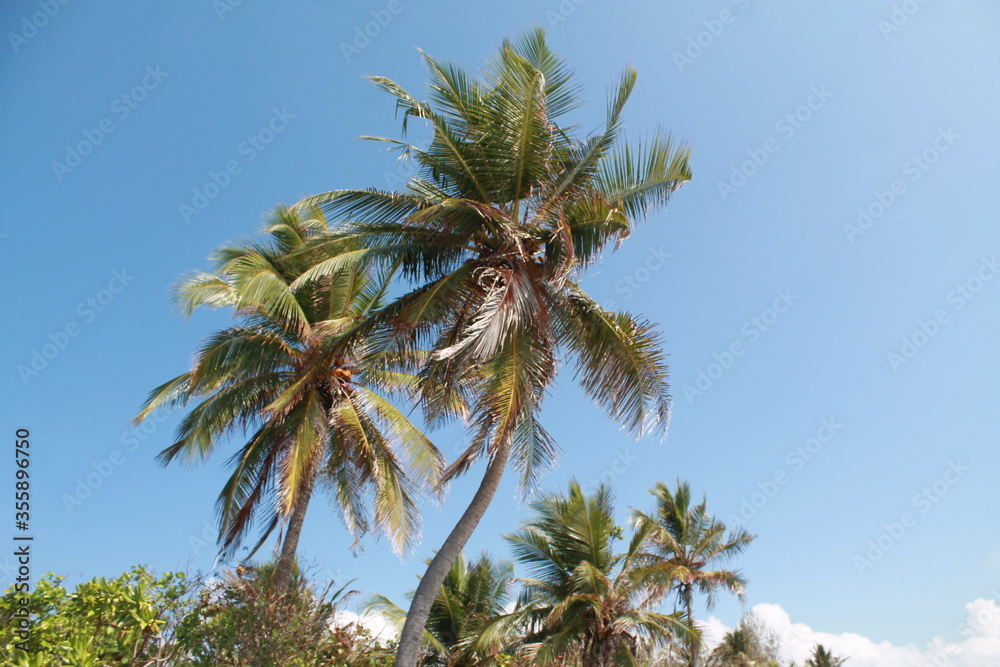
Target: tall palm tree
(294, 375)
(585, 601)
(684, 542)
(822, 657)
(494, 233)
(461, 629)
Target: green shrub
(125, 621)
(140, 620)
(244, 620)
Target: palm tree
(294, 375)
(585, 601)
(751, 644)
(685, 541)
(461, 629)
(821, 657)
(493, 234)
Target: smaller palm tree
(751, 644)
(822, 657)
(298, 379)
(461, 629)
(685, 542)
(585, 601)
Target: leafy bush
(244, 620)
(125, 621)
(140, 620)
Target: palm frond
(619, 362)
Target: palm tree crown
(822, 657)
(750, 644)
(685, 541)
(505, 212)
(461, 628)
(295, 376)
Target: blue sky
(827, 284)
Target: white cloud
(712, 631)
(380, 627)
(975, 643)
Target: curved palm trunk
(283, 570)
(408, 651)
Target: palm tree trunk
(283, 570)
(409, 640)
(694, 645)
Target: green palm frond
(231, 409)
(423, 458)
(307, 424)
(640, 178)
(583, 162)
(468, 622)
(619, 362)
(170, 394)
(204, 290)
(246, 490)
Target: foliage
(493, 234)
(472, 597)
(592, 593)
(684, 541)
(141, 620)
(509, 206)
(295, 376)
(246, 620)
(822, 657)
(585, 600)
(131, 620)
(750, 644)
